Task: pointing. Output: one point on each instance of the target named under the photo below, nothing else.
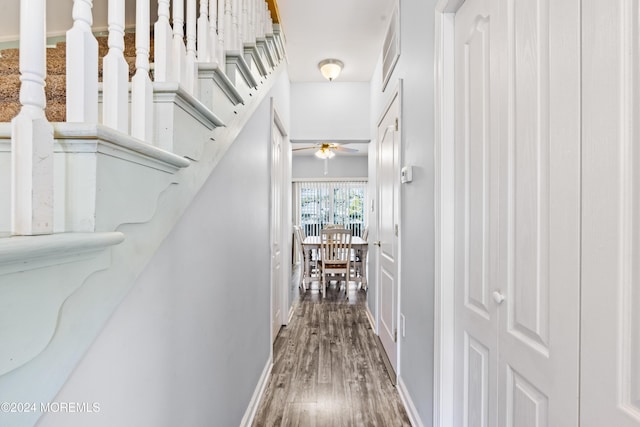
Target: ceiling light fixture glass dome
(330, 68)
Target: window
(330, 202)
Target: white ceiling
(349, 30)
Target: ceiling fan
(327, 150)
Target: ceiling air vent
(391, 46)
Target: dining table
(311, 244)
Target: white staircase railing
(220, 26)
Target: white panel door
(517, 220)
(476, 211)
(538, 367)
(610, 356)
(387, 274)
(277, 184)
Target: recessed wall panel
(476, 383)
(526, 405)
(528, 184)
(476, 166)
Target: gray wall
(415, 67)
(188, 345)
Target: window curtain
(320, 203)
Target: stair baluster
(251, 22)
(82, 66)
(268, 23)
(237, 32)
(163, 41)
(260, 18)
(191, 71)
(179, 49)
(203, 32)
(31, 133)
(213, 30)
(115, 73)
(244, 27)
(229, 35)
(222, 43)
(141, 86)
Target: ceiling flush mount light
(325, 153)
(330, 68)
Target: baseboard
(412, 412)
(250, 413)
(372, 322)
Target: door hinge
(395, 335)
(397, 124)
(396, 230)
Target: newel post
(31, 133)
(82, 66)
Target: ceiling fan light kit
(325, 153)
(330, 68)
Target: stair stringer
(86, 310)
(57, 265)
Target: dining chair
(358, 258)
(333, 226)
(297, 237)
(335, 256)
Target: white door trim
(276, 123)
(443, 357)
(396, 93)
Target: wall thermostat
(406, 174)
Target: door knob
(498, 297)
(377, 243)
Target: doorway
(388, 217)
(279, 255)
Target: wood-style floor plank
(328, 370)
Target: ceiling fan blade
(304, 148)
(344, 149)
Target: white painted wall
(339, 167)
(59, 18)
(415, 67)
(330, 110)
(188, 345)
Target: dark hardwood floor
(328, 370)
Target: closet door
(610, 353)
(538, 335)
(476, 214)
(517, 213)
